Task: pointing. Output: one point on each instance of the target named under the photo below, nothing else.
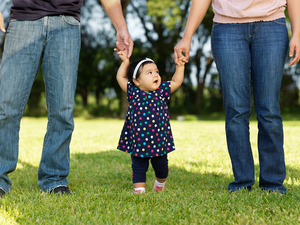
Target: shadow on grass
(104, 178)
(111, 171)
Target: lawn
(100, 179)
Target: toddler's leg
(161, 169)
(139, 169)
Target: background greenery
(100, 179)
(200, 168)
(156, 27)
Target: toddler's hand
(123, 54)
(181, 62)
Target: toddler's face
(149, 79)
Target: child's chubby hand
(123, 54)
(181, 62)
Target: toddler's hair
(132, 66)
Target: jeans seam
(277, 21)
(70, 23)
(284, 24)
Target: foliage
(100, 179)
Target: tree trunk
(201, 84)
(84, 96)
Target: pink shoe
(156, 188)
(139, 191)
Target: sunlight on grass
(100, 178)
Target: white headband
(138, 66)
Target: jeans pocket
(280, 21)
(8, 28)
(71, 20)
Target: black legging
(140, 167)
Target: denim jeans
(244, 53)
(56, 41)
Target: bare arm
(2, 27)
(197, 12)
(113, 9)
(293, 10)
(122, 71)
(178, 76)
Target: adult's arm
(2, 27)
(197, 12)
(113, 9)
(294, 15)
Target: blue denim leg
(22, 51)
(239, 60)
(269, 49)
(230, 46)
(60, 66)
(57, 40)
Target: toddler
(147, 134)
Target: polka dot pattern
(147, 130)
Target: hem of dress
(131, 153)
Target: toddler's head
(143, 73)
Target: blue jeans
(56, 41)
(245, 53)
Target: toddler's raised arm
(122, 71)
(178, 76)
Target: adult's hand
(182, 51)
(294, 50)
(2, 27)
(124, 41)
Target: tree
(163, 23)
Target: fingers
(186, 57)
(119, 46)
(122, 46)
(124, 41)
(293, 62)
(2, 27)
(119, 52)
(176, 57)
(130, 48)
(294, 51)
(180, 56)
(181, 63)
(181, 52)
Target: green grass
(100, 178)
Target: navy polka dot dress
(147, 131)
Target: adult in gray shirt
(47, 30)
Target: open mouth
(155, 82)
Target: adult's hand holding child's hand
(123, 54)
(182, 52)
(124, 41)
